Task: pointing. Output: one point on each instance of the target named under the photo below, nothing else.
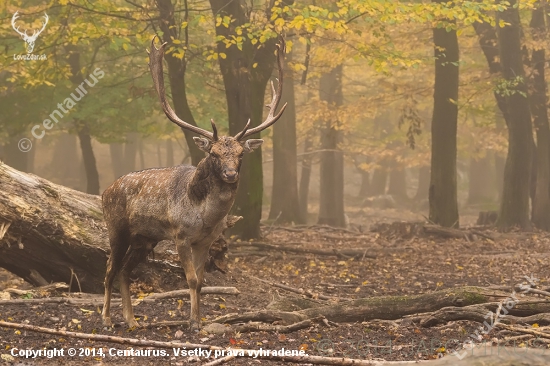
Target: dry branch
(479, 314)
(98, 300)
(220, 361)
(204, 291)
(524, 330)
(340, 253)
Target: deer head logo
(32, 38)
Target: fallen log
(392, 307)
(51, 233)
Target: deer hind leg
(134, 256)
(119, 246)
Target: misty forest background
(442, 105)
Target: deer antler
(271, 119)
(13, 19)
(155, 65)
(36, 33)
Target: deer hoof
(107, 322)
(194, 325)
(132, 323)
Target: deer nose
(230, 174)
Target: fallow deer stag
(186, 204)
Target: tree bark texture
(52, 233)
(284, 195)
(514, 210)
(443, 185)
(331, 196)
(305, 178)
(176, 75)
(539, 111)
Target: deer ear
(203, 144)
(252, 144)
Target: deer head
(32, 38)
(224, 153)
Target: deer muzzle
(230, 175)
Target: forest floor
(405, 264)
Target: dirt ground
(404, 265)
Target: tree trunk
(379, 180)
(88, 158)
(176, 74)
(539, 102)
(62, 234)
(480, 187)
(245, 90)
(284, 195)
(514, 210)
(117, 159)
(443, 186)
(305, 178)
(423, 183)
(398, 184)
(331, 196)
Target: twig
(296, 290)
(524, 330)
(220, 361)
(260, 327)
(213, 290)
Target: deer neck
(206, 188)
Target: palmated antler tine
(155, 66)
(271, 118)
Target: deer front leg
(186, 258)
